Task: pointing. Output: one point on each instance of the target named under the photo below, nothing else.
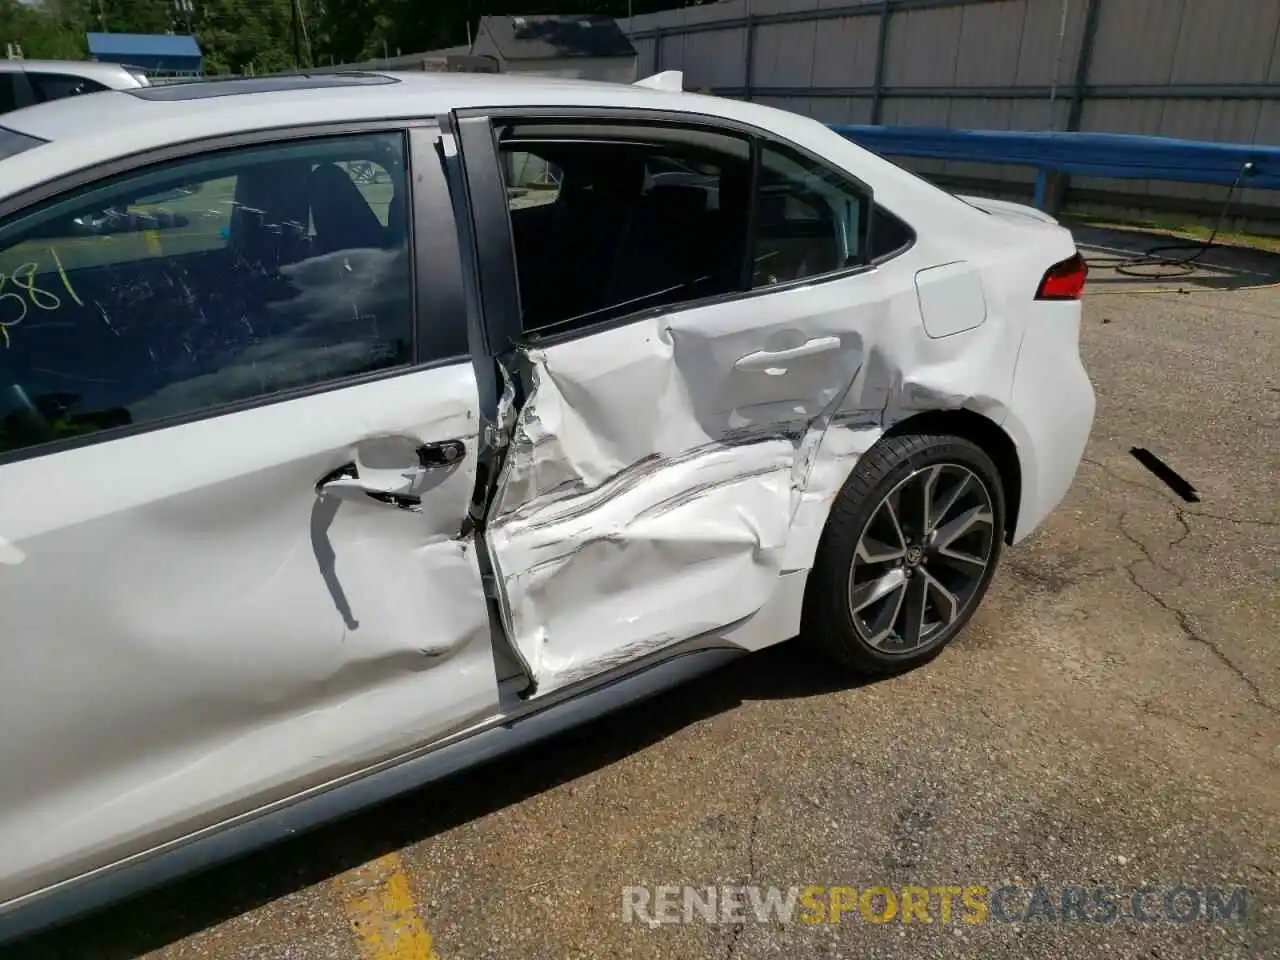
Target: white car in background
(27, 82)
(327, 468)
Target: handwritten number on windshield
(29, 295)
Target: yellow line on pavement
(379, 903)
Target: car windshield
(12, 142)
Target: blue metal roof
(142, 44)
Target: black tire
(828, 620)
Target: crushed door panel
(651, 478)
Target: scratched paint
(379, 904)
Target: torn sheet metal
(656, 485)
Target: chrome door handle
(345, 483)
(763, 359)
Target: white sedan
(356, 428)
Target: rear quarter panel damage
(652, 492)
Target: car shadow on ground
(154, 920)
(1126, 259)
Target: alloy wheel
(921, 558)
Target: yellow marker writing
(66, 281)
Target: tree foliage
(43, 32)
(264, 36)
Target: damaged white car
(339, 453)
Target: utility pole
(296, 23)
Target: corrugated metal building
(1201, 69)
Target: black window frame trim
(900, 249)
(492, 275)
(426, 298)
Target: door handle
(443, 454)
(392, 486)
(763, 359)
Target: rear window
(12, 142)
(56, 86)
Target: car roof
(86, 131)
(170, 113)
(95, 128)
(113, 74)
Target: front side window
(810, 219)
(211, 280)
(55, 86)
(614, 220)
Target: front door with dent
(650, 481)
(238, 445)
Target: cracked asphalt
(1110, 718)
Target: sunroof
(229, 88)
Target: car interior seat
(341, 215)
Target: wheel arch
(988, 435)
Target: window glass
(12, 142)
(652, 220)
(8, 93)
(211, 280)
(376, 184)
(55, 86)
(810, 220)
(889, 235)
(531, 180)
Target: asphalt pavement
(1109, 723)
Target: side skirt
(494, 738)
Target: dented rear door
(654, 461)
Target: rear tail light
(1064, 281)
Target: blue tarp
(161, 52)
(1116, 155)
(142, 44)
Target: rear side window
(810, 220)
(203, 282)
(55, 86)
(889, 235)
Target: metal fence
(1194, 69)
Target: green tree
(242, 36)
(41, 33)
(134, 16)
